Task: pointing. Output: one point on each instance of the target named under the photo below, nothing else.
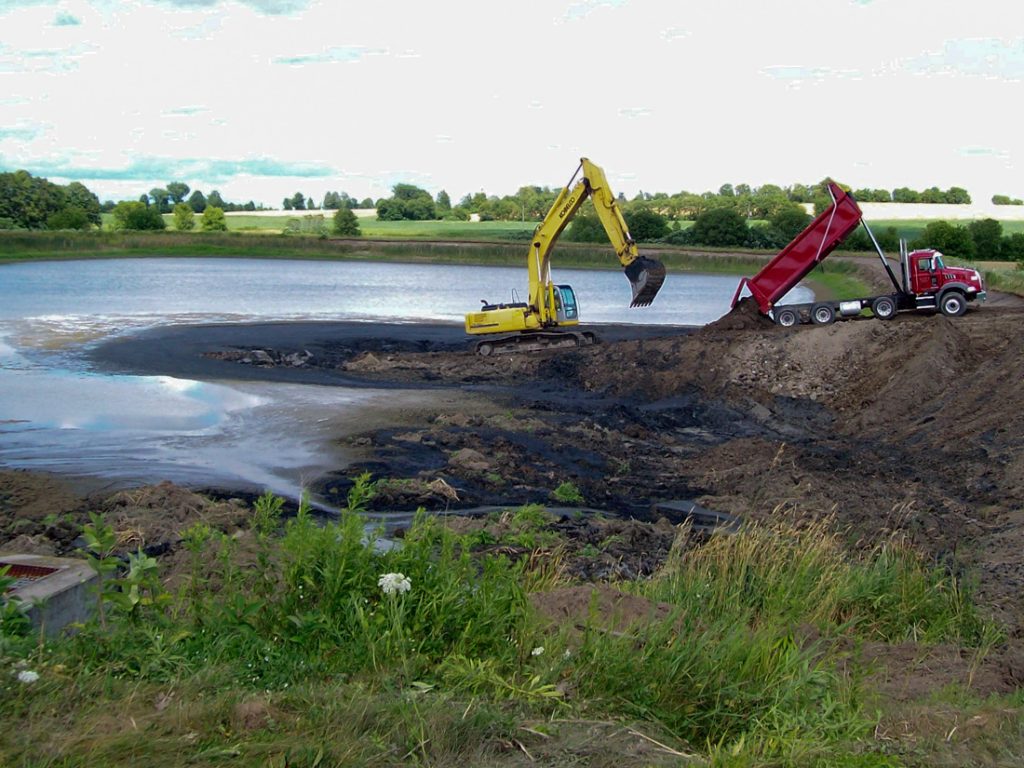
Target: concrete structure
(57, 590)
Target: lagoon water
(57, 414)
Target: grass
(279, 647)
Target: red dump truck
(927, 283)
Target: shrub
(721, 227)
(137, 215)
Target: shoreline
(182, 351)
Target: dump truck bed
(805, 252)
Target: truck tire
(787, 318)
(884, 307)
(953, 304)
(485, 349)
(822, 314)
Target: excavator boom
(550, 306)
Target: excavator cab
(566, 308)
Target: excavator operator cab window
(565, 303)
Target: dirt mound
(154, 516)
(745, 316)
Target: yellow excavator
(544, 321)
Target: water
(55, 413)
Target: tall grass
(282, 645)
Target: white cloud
(465, 97)
(978, 57)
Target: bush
(790, 221)
(184, 217)
(951, 240)
(586, 228)
(646, 225)
(213, 220)
(987, 235)
(69, 218)
(346, 223)
(766, 237)
(721, 227)
(137, 215)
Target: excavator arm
(546, 304)
(645, 275)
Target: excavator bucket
(645, 278)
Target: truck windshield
(938, 261)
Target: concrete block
(57, 590)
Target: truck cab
(932, 283)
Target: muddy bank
(912, 425)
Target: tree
(80, 197)
(29, 200)
(366, 202)
(287, 204)
(1005, 200)
(646, 225)
(790, 220)
(1013, 248)
(71, 217)
(184, 217)
(943, 236)
(586, 228)
(161, 199)
(719, 226)
(137, 215)
(987, 235)
(214, 199)
(177, 190)
(197, 202)
(444, 203)
(298, 202)
(213, 219)
(346, 223)
(407, 202)
(958, 196)
(905, 195)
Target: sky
(260, 99)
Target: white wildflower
(567, 654)
(390, 583)
(27, 676)
(537, 651)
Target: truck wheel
(953, 304)
(787, 318)
(822, 314)
(884, 308)
(484, 349)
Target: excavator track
(535, 341)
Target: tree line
(765, 217)
(532, 202)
